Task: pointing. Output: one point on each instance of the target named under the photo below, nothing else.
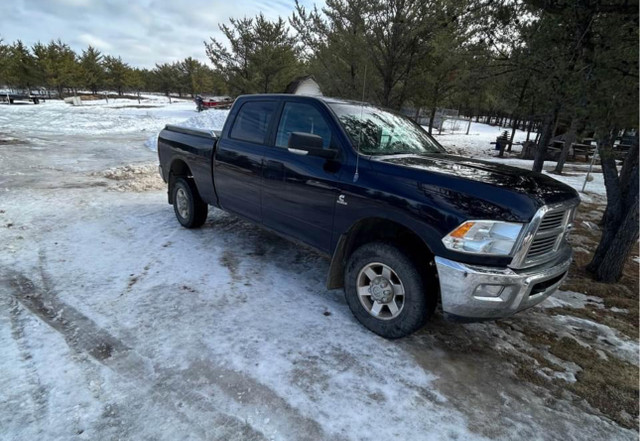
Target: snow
(116, 323)
(477, 142)
(121, 115)
(570, 299)
(212, 119)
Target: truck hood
(543, 189)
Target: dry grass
(606, 383)
(610, 385)
(623, 294)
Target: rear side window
(300, 117)
(252, 121)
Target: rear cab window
(252, 121)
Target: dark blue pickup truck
(406, 225)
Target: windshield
(374, 131)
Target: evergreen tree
(263, 56)
(91, 69)
(21, 66)
(334, 46)
(57, 66)
(4, 63)
(196, 77)
(117, 73)
(166, 78)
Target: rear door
(300, 192)
(238, 159)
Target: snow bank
(211, 120)
(134, 177)
(93, 117)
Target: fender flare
(335, 276)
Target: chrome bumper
(478, 292)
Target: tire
(412, 310)
(190, 210)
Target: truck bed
(178, 146)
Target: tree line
(54, 68)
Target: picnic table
(585, 150)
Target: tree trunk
(546, 134)
(568, 141)
(513, 134)
(432, 116)
(611, 264)
(541, 150)
(529, 127)
(620, 230)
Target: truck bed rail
(191, 131)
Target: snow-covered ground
(116, 323)
(94, 117)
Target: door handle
(298, 151)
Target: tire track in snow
(205, 396)
(39, 393)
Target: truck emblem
(341, 200)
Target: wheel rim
(380, 291)
(182, 203)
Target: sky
(142, 32)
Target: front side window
(252, 121)
(300, 117)
(375, 131)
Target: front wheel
(190, 210)
(386, 292)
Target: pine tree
(91, 69)
(21, 66)
(196, 77)
(117, 73)
(263, 56)
(57, 66)
(4, 63)
(334, 45)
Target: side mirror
(301, 143)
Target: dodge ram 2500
(406, 225)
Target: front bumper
(478, 293)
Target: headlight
(484, 237)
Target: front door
(300, 191)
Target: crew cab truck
(405, 224)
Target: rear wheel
(190, 210)
(386, 292)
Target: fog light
(485, 290)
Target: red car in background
(213, 102)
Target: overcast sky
(142, 32)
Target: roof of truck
(326, 99)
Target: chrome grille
(542, 245)
(550, 231)
(552, 220)
(544, 237)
